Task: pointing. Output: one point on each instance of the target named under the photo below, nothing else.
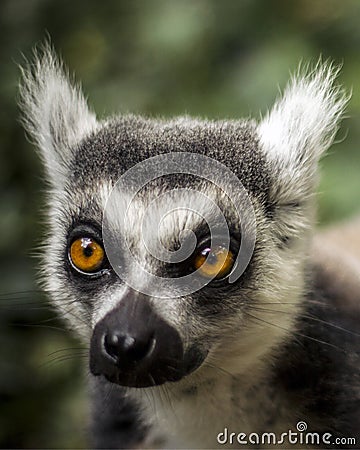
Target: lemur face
(139, 334)
(146, 275)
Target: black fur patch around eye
(86, 282)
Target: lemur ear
(55, 112)
(299, 128)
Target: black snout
(127, 349)
(133, 346)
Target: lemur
(214, 361)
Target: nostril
(141, 349)
(126, 348)
(115, 344)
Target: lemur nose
(134, 346)
(126, 348)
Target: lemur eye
(215, 262)
(86, 254)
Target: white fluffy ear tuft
(303, 124)
(55, 112)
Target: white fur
(305, 120)
(55, 112)
(301, 126)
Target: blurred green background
(201, 57)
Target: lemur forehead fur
(261, 354)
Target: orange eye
(214, 262)
(86, 254)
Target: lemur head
(217, 190)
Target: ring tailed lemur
(276, 346)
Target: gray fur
(261, 333)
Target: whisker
(35, 325)
(108, 395)
(21, 293)
(307, 316)
(151, 379)
(62, 350)
(169, 400)
(294, 332)
(147, 394)
(63, 358)
(213, 366)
